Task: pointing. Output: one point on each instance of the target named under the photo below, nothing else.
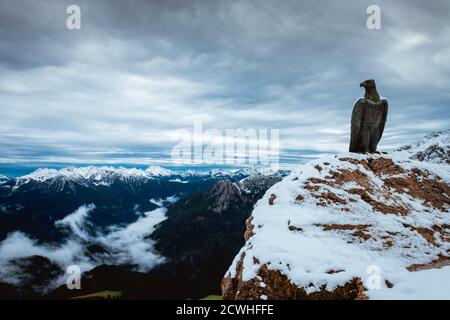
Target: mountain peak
(223, 194)
(434, 147)
(159, 171)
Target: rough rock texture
(278, 286)
(318, 233)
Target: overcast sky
(114, 91)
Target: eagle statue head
(368, 84)
(371, 92)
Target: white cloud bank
(123, 245)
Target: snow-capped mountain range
(95, 173)
(104, 175)
(48, 194)
(434, 148)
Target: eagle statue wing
(357, 118)
(384, 105)
(357, 114)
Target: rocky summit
(352, 226)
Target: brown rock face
(249, 231)
(276, 286)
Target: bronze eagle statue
(368, 119)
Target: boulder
(351, 226)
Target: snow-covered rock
(348, 227)
(434, 147)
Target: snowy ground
(433, 284)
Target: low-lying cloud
(119, 245)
